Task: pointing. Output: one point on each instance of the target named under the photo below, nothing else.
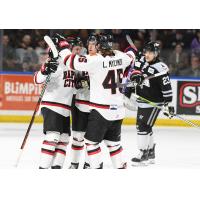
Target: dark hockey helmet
(152, 47)
(105, 41)
(74, 41)
(92, 38)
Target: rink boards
(18, 96)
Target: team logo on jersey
(141, 116)
(69, 77)
(188, 97)
(151, 70)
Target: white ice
(177, 147)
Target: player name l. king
(113, 63)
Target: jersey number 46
(110, 80)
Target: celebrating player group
(94, 85)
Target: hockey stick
(161, 108)
(130, 41)
(55, 55)
(131, 84)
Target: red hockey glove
(137, 77)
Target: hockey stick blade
(52, 46)
(130, 41)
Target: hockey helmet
(92, 38)
(74, 41)
(152, 47)
(105, 41)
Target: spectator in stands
(195, 45)
(178, 38)
(195, 67)
(27, 55)
(153, 35)
(138, 44)
(41, 51)
(194, 70)
(178, 61)
(166, 36)
(84, 34)
(120, 38)
(116, 46)
(10, 59)
(141, 35)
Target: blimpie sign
(18, 92)
(188, 97)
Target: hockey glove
(136, 77)
(60, 42)
(168, 111)
(130, 48)
(82, 82)
(50, 66)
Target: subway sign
(188, 97)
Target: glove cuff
(63, 44)
(43, 69)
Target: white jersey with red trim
(104, 73)
(82, 98)
(59, 91)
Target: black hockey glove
(50, 66)
(82, 82)
(137, 77)
(60, 42)
(168, 111)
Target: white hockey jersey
(104, 73)
(59, 91)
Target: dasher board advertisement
(188, 97)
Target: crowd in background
(25, 50)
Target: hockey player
(157, 90)
(106, 101)
(80, 110)
(55, 108)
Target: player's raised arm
(83, 63)
(130, 55)
(50, 66)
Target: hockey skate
(151, 155)
(124, 166)
(56, 167)
(141, 159)
(86, 166)
(74, 166)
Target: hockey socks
(60, 151)
(48, 149)
(94, 154)
(77, 147)
(115, 150)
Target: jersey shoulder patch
(160, 67)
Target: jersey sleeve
(166, 88)
(83, 63)
(164, 81)
(76, 62)
(129, 58)
(39, 78)
(65, 55)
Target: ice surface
(177, 147)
